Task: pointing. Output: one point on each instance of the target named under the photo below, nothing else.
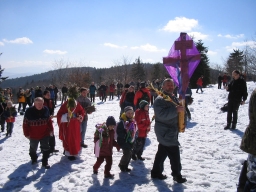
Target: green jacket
(248, 143)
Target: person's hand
(180, 108)
(243, 102)
(80, 118)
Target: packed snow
(210, 156)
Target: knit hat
(143, 84)
(126, 86)
(110, 121)
(128, 108)
(142, 104)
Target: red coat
(142, 121)
(69, 133)
(37, 124)
(200, 81)
(107, 144)
(112, 88)
(139, 94)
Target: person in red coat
(111, 91)
(69, 118)
(200, 84)
(142, 94)
(104, 142)
(37, 127)
(143, 124)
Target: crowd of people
(130, 131)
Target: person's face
(110, 127)
(130, 89)
(235, 75)
(84, 93)
(9, 105)
(47, 95)
(146, 107)
(39, 104)
(168, 87)
(129, 114)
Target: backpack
(224, 108)
(144, 97)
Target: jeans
(126, 158)
(173, 153)
(83, 127)
(233, 107)
(199, 87)
(92, 96)
(10, 126)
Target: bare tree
(60, 72)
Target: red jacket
(123, 96)
(200, 81)
(139, 94)
(143, 122)
(112, 88)
(107, 144)
(37, 124)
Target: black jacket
(237, 90)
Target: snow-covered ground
(210, 156)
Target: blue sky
(36, 34)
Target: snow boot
(134, 157)
(141, 158)
(179, 179)
(233, 126)
(227, 126)
(45, 159)
(33, 158)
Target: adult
(48, 102)
(64, 92)
(55, 94)
(84, 102)
(92, 89)
(112, 88)
(220, 78)
(142, 94)
(122, 100)
(237, 95)
(199, 84)
(22, 100)
(119, 87)
(32, 94)
(69, 117)
(103, 89)
(166, 130)
(38, 92)
(247, 179)
(28, 97)
(52, 92)
(225, 80)
(37, 127)
(187, 100)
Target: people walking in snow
(237, 95)
(199, 84)
(143, 125)
(9, 114)
(166, 130)
(69, 117)
(92, 90)
(104, 142)
(37, 127)
(84, 102)
(126, 130)
(220, 78)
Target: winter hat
(128, 108)
(126, 86)
(142, 104)
(110, 121)
(142, 84)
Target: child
(10, 113)
(143, 123)
(126, 130)
(104, 142)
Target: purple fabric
(173, 66)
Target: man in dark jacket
(166, 130)
(237, 95)
(219, 81)
(37, 127)
(64, 91)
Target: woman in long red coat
(69, 119)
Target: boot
(124, 168)
(71, 158)
(134, 157)
(141, 158)
(179, 179)
(109, 176)
(158, 176)
(227, 126)
(33, 158)
(233, 126)
(45, 159)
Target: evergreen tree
(203, 67)
(1, 71)
(235, 61)
(138, 71)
